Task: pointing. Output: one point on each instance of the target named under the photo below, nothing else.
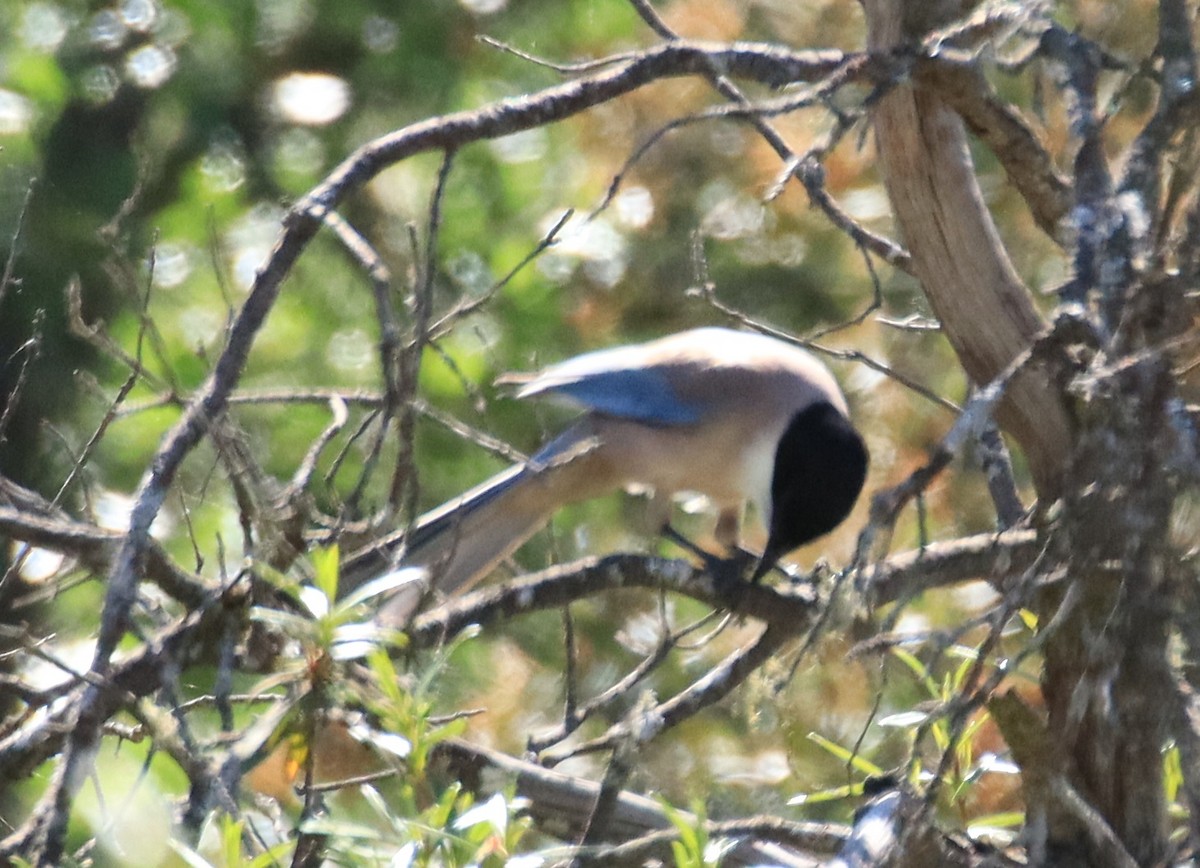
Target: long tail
(463, 540)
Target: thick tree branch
(960, 82)
(95, 547)
(985, 556)
(564, 803)
(986, 312)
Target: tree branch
(986, 312)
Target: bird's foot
(728, 573)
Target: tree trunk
(1106, 681)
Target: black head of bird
(820, 468)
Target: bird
(737, 416)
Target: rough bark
(1093, 777)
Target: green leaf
(439, 814)
(326, 570)
(680, 853)
(357, 641)
(835, 794)
(341, 828)
(493, 813)
(273, 856)
(386, 678)
(1002, 820)
(903, 719)
(920, 670)
(856, 761)
(189, 856)
(231, 840)
(1172, 772)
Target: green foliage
(229, 850)
(694, 847)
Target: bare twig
(23, 357)
(126, 387)
(709, 293)
(14, 250)
(576, 714)
(713, 686)
(196, 637)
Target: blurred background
(148, 152)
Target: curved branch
(771, 65)
(644, 725)
(985, 310)
(95, 547)
(961, 83)
(766, 64)
(195, 638)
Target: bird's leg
(729, 528)
(658, 517)
(726, 572)
(728, 534)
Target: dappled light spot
(470, 272)
(139, 15)
(280, 21)
(100, 84)
(350, 350)
(300, 150)
(107, 30)
(764, 768)
(16, 113)
(483, 7)
(172, 28)
(224, 165)
(202, 324)
(634, 207)
(595, 244)
(867, 203)
(523, 147)
(112, 511)
(789, 249)
(150, 66)
(310, 98)
(380, 34)
(43, 26)
(72, 656)
(172, 265)
(251, 240)
(728, 214)
(36, 564)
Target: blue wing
(644, 395)
(618, 382)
